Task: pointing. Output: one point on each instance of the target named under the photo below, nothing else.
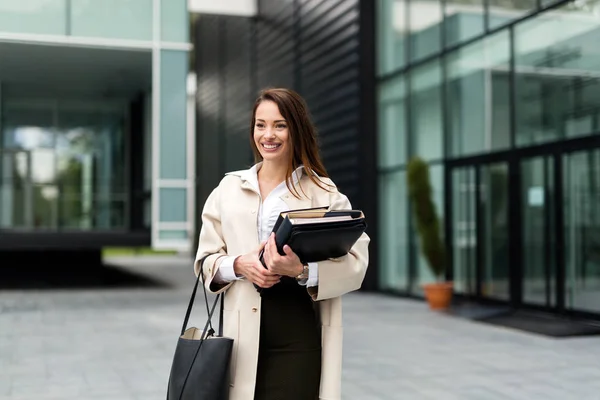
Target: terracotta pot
(438, 295)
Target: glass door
(538, 229)
(493, 230)
(480, 230)
(581, 200)
(464, 231)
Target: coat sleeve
(345, 274)
(211, 243)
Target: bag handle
(209, 312)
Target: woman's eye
(260, 126)
(281, 126)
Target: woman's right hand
(249, 266)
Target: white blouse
(268, 212)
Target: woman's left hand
(288, 265)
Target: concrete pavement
(117, 343)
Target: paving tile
(118, 344)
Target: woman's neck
(272, 172)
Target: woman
(288, 336)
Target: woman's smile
(271, 147)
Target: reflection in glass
(539, 264)
(424, 20)
(424, 274)
(463, 20)
(393, 228)
(391, 35)
(502, 12)
(464, 234)
(426, 111)
(495, 246)
(582, 229)
(478, 96)
(16, 189)
(392, 123)
(67, 171)
(557, 76)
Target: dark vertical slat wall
(274, 41)
(224, 93)
(329, 71)
(321, 48)
(237, 93)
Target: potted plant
(427, 224)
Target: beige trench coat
(229, 227)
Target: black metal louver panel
(223, 100)
(275, 44)
(208, 98)
(329, 80)
(237, 90)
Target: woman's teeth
(270, 146)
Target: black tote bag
(200, 369)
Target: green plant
(426, 220)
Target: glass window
(557, 76)
(463, 20)
(174, 21)
(478, 96)
(393, 225)
(426, 111)
(177, 235)
(119, 19)
(173, 98)
(425, 18)
(424, 275)
(391, 35)
(502, 12)
(392, 123)
(173, 205)
(33, 16)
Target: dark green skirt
(289, 360)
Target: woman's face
(271, 134)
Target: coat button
(253, 211)
(254, 309)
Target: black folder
(317, 234)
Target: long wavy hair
(302, 132)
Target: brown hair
(303, 135)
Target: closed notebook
(317, 234)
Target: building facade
(94, 138)
(501, 98)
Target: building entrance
(525, 227)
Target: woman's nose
(269, 132)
